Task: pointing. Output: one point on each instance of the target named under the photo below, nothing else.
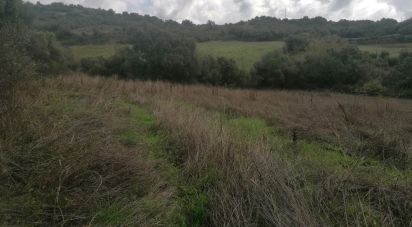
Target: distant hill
(74, 24)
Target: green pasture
(393, 49)
(91, 51)
(246, 54)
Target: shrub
(16, 67)
(93, 66)
(373, 87)
(49, 55)
(271, 71)
(221, 71)
(400, 80)
(295, 44)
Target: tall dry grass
(255, 186)
(252, 188)
(61, 165)
(367, 126)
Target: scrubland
(96, 151)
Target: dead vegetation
(249, 181)
(63, 165)
(233, 177)
(366, 126)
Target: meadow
(192, 155)
(246, 54)
(92, 51)
(393, 49)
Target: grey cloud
(404, 7)
(245, 7)
(339, 4)
(223, 11)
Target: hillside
(127, 120)
(79, 25)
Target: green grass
(91, 51)
(134, 127)
(114, 214)
(393, 49)
(323, 156)
(192, 199)
(246, 54)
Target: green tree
(400, 80)
(296, 43)
(270, 71)
(333, 69)
(49, 55)
(15, 65)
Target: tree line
(74, 24)
(310, 64)
(307, 62)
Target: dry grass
(371, 126)
(62, 163)
(246, 179)
(255, 185)
(252, 188)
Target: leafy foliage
(330, 63)
(74, 24)
(400, 79)
(50, 56)
(15, 65)
(295, 44)
(162, 56)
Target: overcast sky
(225, 11)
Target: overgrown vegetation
(161, 50)
(243, 171)
(325, 63)
(162, 56)
(77, 150)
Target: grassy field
(90, 51)
(393, 49)
(90, 151)
(244, 53)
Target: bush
(295, 44)
(15, 68)
(272, 71)
(49, 55)
(221, 71)
(155, 56)
(400, 79)
(93, 66)
(335, 69)
(373, 87)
